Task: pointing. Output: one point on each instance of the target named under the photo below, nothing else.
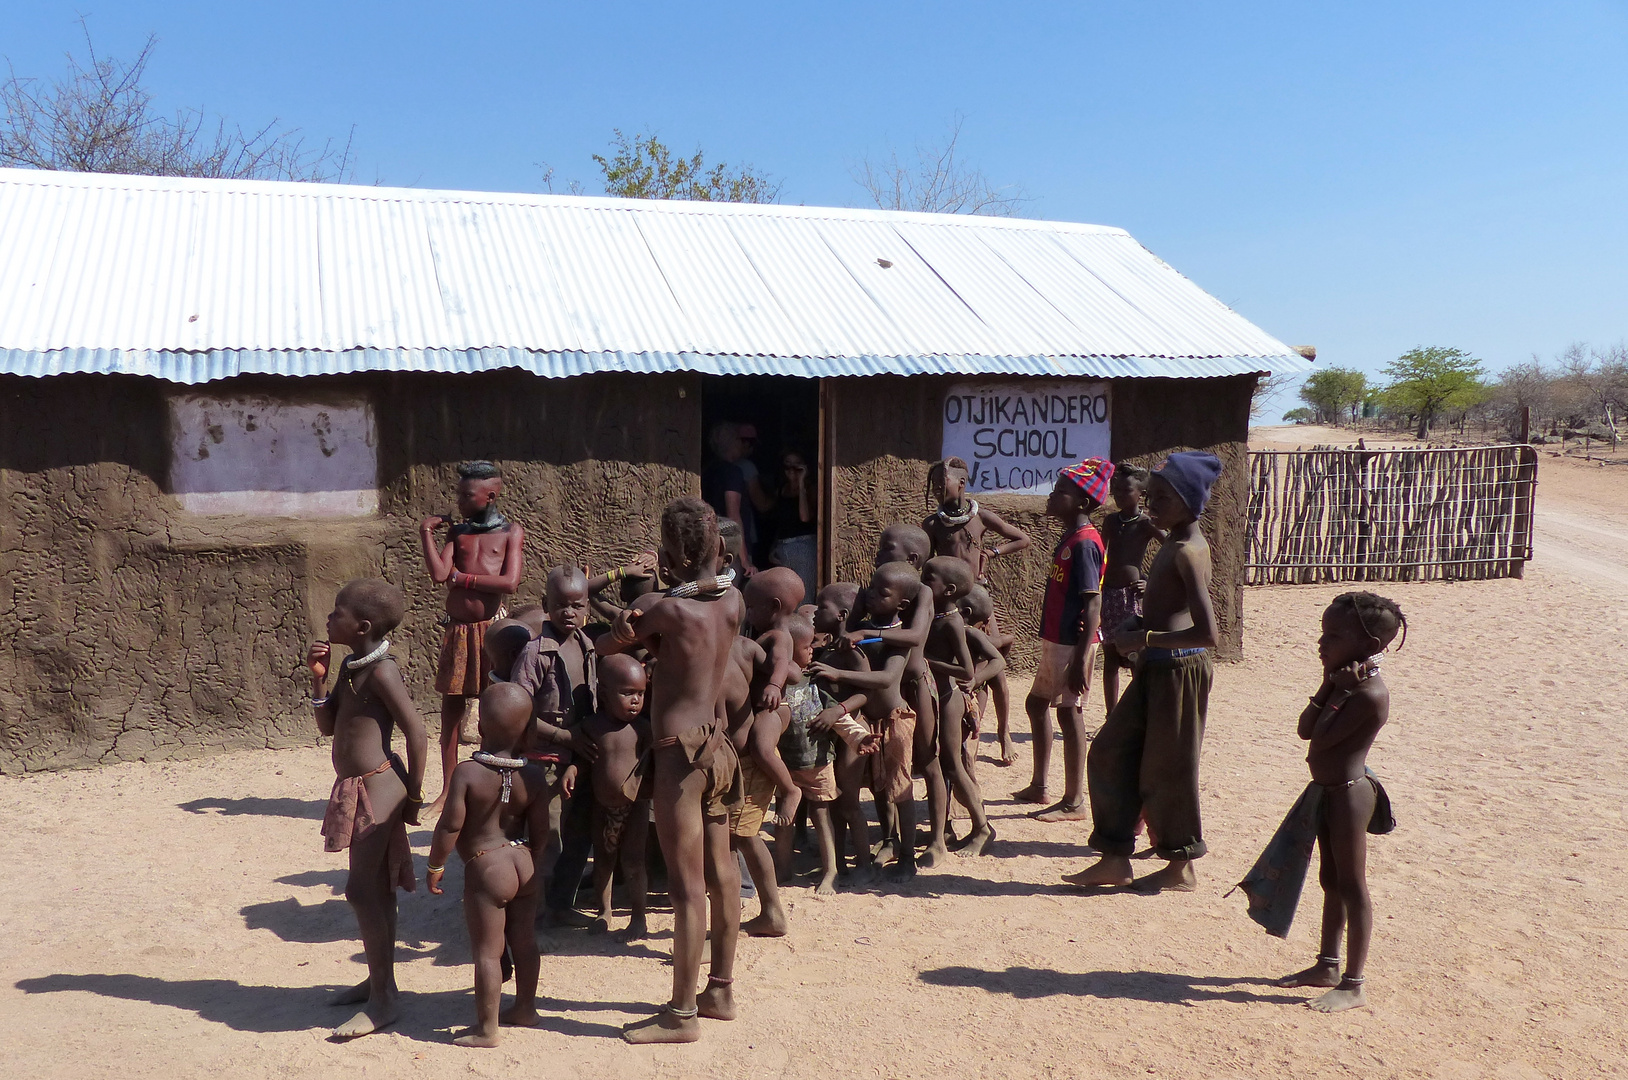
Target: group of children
(713, 705)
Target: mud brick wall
(130, 630)
(887, 431)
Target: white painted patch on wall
(249, 454)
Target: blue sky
(1361, 177)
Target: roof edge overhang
(189, 368)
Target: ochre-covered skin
(130, 630)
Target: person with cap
(1068, 634)
(1144, 761)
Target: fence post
(1526, 486)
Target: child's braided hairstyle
(935, 476)
(693, 526)
(479, 470)
(1379, 616)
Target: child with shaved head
(949, 656)
(494, 798)
(621, 810)
(376, 796)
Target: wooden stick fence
(1389, 515)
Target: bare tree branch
(936, 182)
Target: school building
(221, 399)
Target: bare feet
(788, 808)
(767, 924)
(475, 1037)
(1062, 811)
(1008, 756)
(376, 1017)
(884, 852)
(1175, 877)
(355, 995)
(1319, 974)
(1110, 871)
(665, 1027)
(901, 872)
(517, 1015)
(1034, 793)
(1347, 995)
(827, 885)
(635, 929)
(977, 840)
(600, 925)
(717, 1001)
(569, 917)
(933, 856)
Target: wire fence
(1389, 515)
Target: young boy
(1144, 761)
(912, 622)
(559, 669)
(502, 644)
(950, 659)
(690, 630)
(1068, 634)
(748, 813)
(957, 529)
(1127, 534)
(1341, 723)
(375, 796)
(621, 818)
(833, 608)
(494, 797)
(891, 587)
(480, 562)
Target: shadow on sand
(1155, 986)
(309, 809)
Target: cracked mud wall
(130, 629)
(887, 431)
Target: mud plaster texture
(130, 630)
(885, 433)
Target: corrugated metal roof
(193, 280)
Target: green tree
(1334, 392)
(644, 167)
(1428, 381)
(1301, 415)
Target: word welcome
(1015, 437)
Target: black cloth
(576, 844)
(787, 523)
(718, 480)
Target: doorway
(783, 413)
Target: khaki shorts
(818, 784)
(747, 818)
(1051, 681)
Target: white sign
(249, 454)
(1015, 436)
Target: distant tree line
(1583, 391)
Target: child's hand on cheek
(316, 658)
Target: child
(950, 659)
(957, 528)
(1144, 761)
(909, 544)
(690, 631)
(1127, 534)
(1341, 806)
(502, 644)
(892, 586)
(375, 796)
(1068, 634)
(480, 562)
(494, 797)
(988, 662)
(833, 608)
(559, 669)
(621, 818)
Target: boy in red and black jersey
(1068, 631)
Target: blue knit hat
(1192, 473)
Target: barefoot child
(892, 586)
(950, 658)
(494, 797)
(621, 818)
(957, 528)
(833, 606)
(987, 662)
(480, 563)
(690, 631)
(1127, 534)
(1068, 634)
(1144, 761)
(375, 796)
(1341, 806)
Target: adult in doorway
(795, 519)
(724, 484)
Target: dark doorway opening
(784, 415)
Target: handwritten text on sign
(1015, 436)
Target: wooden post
(827, 491)
(1526, 487)
(1526, 425)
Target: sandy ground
(181, 919)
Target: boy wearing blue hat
(1144, 761)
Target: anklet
(720, 982)
(685, 1014)
(1354, 980)
(1329, 961)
